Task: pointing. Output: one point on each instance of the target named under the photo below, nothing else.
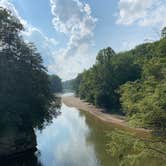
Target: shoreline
(116, 120)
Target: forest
(26, 89)
(55, 83)
(132, 83)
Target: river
(74, 138)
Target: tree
(25, 97)
(105, 55)
(143, 101)
(133, 82)
(130, 150)
(76, 83)
(163, 33)
(56, 84)
(100, 83)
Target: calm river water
(74, 138)
(69, 141)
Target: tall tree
(100, 83)
(55, 84)
(24, 85)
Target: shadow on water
(74, 138)
(26, 159)
(98, 137)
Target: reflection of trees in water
(22, 137)
(97, 137)
(53, 111)
(22, 122)
(114, 147)
(31, 158)
(27, 159)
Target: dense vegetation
(68, 85)
(144, 101)
(99, 84)
(130, 150)
(56, 84)
(133, 81)
(25, 95)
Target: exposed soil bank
(116, 120)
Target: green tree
(100, 83)
(131, 150)
(55, 84)
(163, 33)
(143, 101)
(25, 97)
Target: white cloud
(45, 45)
(142, 12)
(87, 9)
(69, 67)
(73, 18)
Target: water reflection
(74, 138)
(64, 143)
(26, 159)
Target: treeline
(68, 85)
(25, 96)
(99, 84)
(55, 84)
(133, 82)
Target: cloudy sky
(69, 33)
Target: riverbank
(116, 120)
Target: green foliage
(144, 101)
(163, 33)
(133, 81)
(130, 150)
(25, 96)
(100, 83)
(76, 83)
(55, 84)
(72, 85)
(68, 85)
(161, 49)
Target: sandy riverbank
(118, 121)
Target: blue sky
(69, 33)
